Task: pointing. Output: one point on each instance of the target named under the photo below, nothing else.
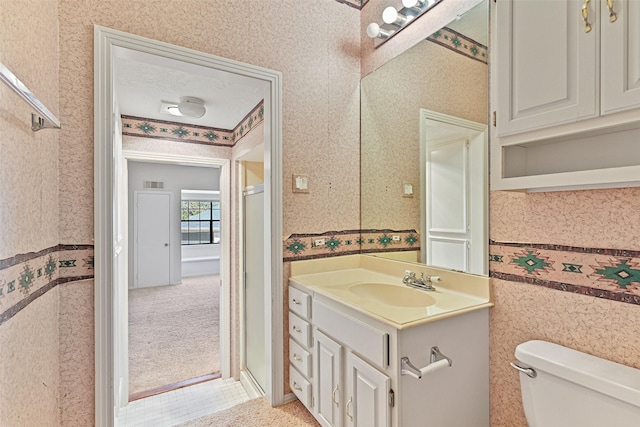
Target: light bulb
(391, 16)
(374, 31)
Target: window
(200, 222)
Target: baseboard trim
(174, 386)
(289, 397)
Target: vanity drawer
(300, 358)
(300, 330)
(300, 386)
(367, 341)
(299, 302)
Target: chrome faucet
(424, 282)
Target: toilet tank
(576, 389)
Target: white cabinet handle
(295, 301)
(333, 396)
(296, 357)
(296, 329)
(612, 13)
(296, 386)
(585, 15)
(349, 408)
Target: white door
(620, 57)
(367, 395)
(547, 65)
(453, 210)
(327, 360)
(152, 222)
(254, 285)
(448, 229)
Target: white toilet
(562, 387)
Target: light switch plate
(300, 183)
(407, 189)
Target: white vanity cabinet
(567, 101)
(300, 341)
(349, 390)
(357, 379)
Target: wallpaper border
(193, 134)
(608, 273)
(297, 247)
(26, 277)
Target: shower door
(254, 284)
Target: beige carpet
(173, 332)
(257, 412)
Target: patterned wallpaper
(347, 242)
(358, 4)
(460, 43)
(194, 134)
(604, 273)
(25, 277)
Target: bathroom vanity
(367, 350)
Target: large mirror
(424, 175)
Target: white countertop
(350, 283)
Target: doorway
(173, 316)
(453, 171)
(109, 244)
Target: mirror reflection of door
(454, 169)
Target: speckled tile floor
(178, 406)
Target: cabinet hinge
(495, 119)
(392, 398)
(313, 401)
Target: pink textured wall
(29, 377)
(320, 62)
(522, 312)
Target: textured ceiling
(142, 81)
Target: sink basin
(400, 296)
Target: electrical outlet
(395, 238)
(318, 243)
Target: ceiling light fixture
(188, 106)
(191, 107)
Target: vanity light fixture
(395, 19)
(418, 4)
(391, 16)
(374, 31)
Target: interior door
(448, 229)
(152, 262)
(254, 284)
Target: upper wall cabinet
(566, 104)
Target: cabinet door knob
(295, 301)
(296, 386)
(296, 329)
(349, 408)
(296, 357)
(612, 13)
(585, 16)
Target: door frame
(105, 40)
(478, 172)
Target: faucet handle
(435, 279)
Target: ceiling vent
(153, 184)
